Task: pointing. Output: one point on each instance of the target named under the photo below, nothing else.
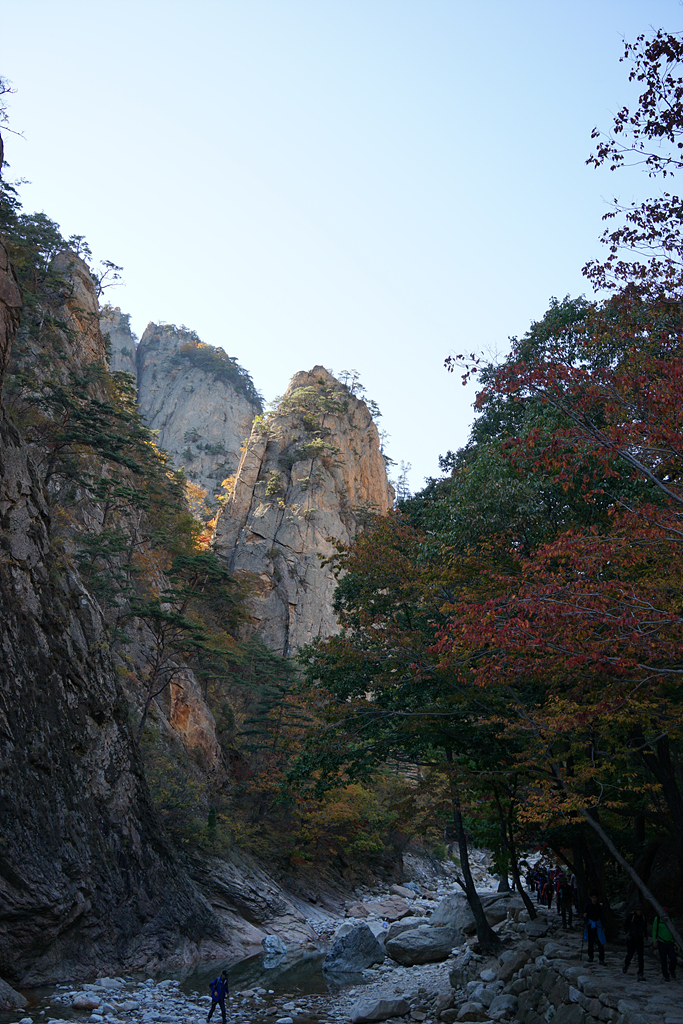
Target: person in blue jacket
(219, 990)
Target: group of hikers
(553, 884)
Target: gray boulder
(422, 945)
(9, 999)
(403, 926)
(380, 1006)
(454, 911)
(508, 1004)
(512, 961)
(354, 952)
(273, 944)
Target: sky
(369, 185)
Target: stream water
(292, 973)
(298, 973)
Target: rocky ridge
(202, 419)
(311, 475)
(115, 327)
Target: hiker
(665, 945)
(573, 881)
(636, 928)
(548, 892)
(594, 930)
(565, 899)
(219, 990)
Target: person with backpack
(665, 945)
(636, 928)
(565, 900)
(594, 930)
(219, 990)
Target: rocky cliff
(312, 472)
(115, 327)
(199, 400)
(88, 882)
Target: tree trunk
(488, 940)
(514, 867)
(510, 847)
(635, 878)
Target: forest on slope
(517, 627)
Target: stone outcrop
(115, 326)
(193, 723)
(353, 952)
(87, 878)
(311, 473)
(186, 394)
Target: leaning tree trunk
(488, 940)
(506, 829)
(531, 910)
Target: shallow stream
(294, 974)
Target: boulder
(512, 962)
(504, 1003)
(379, 1006)
(472, 1011)
(273, 944)
(403, 891)
(537, 929)
(454, 911)
(422, 945)
(85, 1001)
(403, 925)
(391, 909)
(357, 910)
(9, 999)
(354, 952)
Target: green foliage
(312, 401)
(274, 486)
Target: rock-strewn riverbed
(541, 976)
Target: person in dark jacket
(219, 990)
(665, 945)
(595, 929)
(637, 930)
(565, 899)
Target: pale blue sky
(366, 184)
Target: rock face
(310, 472)
(9, 999)
(87, 879)
(116, 326)
(191, 720)
(185, 392)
